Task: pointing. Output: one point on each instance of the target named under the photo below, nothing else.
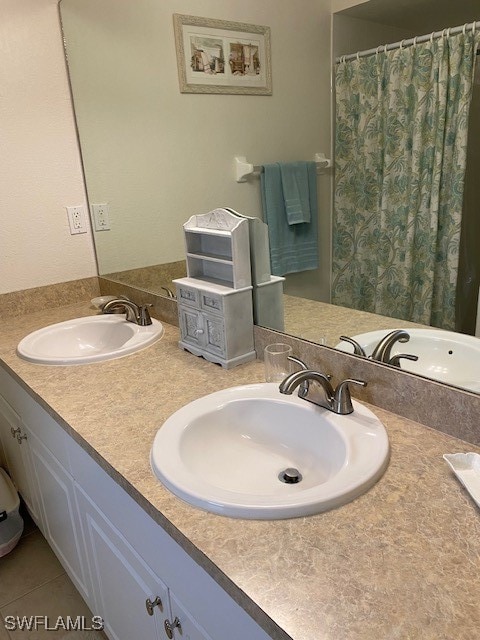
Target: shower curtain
(401, 139)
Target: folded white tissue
(466, 466)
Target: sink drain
(290, 476)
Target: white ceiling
(420, 16)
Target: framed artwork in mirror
(216, 56)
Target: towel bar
(244, 168)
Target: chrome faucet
(138, 314)
(383, 350)
(322, 394)
(358, 350)
(169, 292)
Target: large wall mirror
(155, 156)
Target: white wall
(341, 5)
(40, 170)
(352, 34)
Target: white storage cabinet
(215, 305)
(216, 322)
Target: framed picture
(215, 56)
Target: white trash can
(11, 522)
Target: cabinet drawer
(211, 302)
(188, 296)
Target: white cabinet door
(59, 512)
(15, 447)
(202, 330)
(182, 624)
(132, 600)
(192, 327)
(214, 335)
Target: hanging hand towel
(292, 247)
(296, 191)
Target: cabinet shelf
(217, 281)
(221, 233)
(209, 244)
(212, 257)
(217, 248)
(211, 270)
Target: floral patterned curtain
(401, 139)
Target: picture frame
(218, 56)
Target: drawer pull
(170, 626)
(15, 431)
(150, 605)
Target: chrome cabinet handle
(150, 605)
(170, 626)
(198, 332)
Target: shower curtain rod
(410, 41)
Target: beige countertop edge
(351, 573)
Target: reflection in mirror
(157, 156)
(402, 132)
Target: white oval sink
(89, 339)
(226, 451)
(446, 356)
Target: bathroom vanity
(400, 561)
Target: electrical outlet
(76, 219)
(101, 220)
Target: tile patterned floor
(33, 583)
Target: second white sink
(449, 357)
(89, 339)
(231, 452)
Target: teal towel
(292, 247)
(296, 191)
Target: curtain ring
(464, 30)
(358, 56)
(400, 46)
(414, 44)
(431, 37)
(448, 32)
(474, 26)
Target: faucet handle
(358, 350)
(144, 318)
(395, 360)
(303, 391)
(300, 363)
(342, 399)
